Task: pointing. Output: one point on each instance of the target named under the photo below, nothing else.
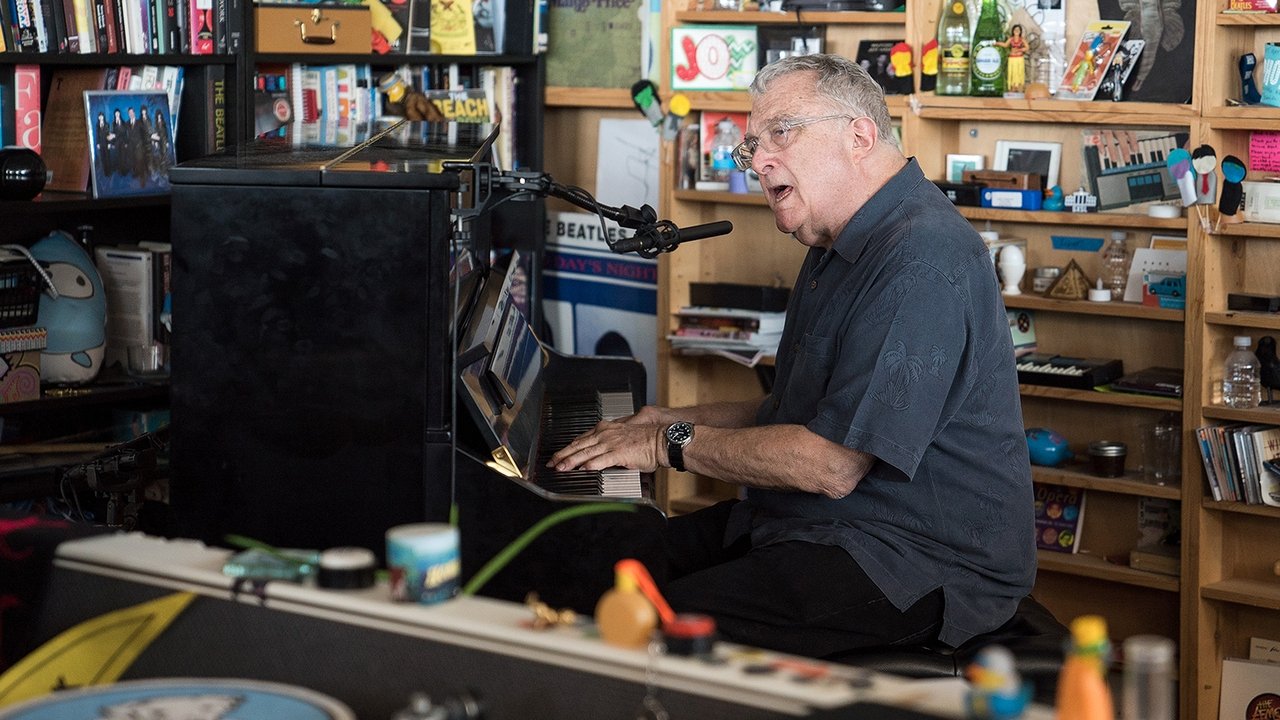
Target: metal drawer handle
(317, 39)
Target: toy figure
(75, 316)
(1053, 199)
(996, 691)
(1233, 172)
(1017, 45)
(412, 103)
(1204, 160)
(1249, 94)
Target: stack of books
(704, 329)
(1242, 462)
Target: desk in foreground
(371, 653)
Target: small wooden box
(312, 29)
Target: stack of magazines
(735, 332)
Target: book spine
(43, 24)
(62, 11)
(182, 10)
(220, 27)
(23, 340)
(169, 26)
(204, 106)
(99, 26)
(418, 35)
(201, 30)
(235, 26)
(26, 106)
(155, 19)
(24, 30)
(6, 30)
(82, 40)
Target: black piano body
(313, 387)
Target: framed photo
(957, 164)
(713, 57)
(130, 141)
(1043, 158)
(780, 41)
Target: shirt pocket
(813, 361)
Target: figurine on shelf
(1082, 201)
(1053, 200)
(404, 100)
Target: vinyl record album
(191, 698)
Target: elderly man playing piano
(888, 488)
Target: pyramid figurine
(1072, 284)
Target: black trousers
(794, 597)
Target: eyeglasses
(776, 136)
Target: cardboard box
(1006, 179)
(312, 29)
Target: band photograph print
(130, 142)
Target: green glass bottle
(953, 49)
(990, 64)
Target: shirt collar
(857, 233)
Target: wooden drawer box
(312, 29)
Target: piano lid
(397, 154)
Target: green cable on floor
(499, 561)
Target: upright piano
(330, 310)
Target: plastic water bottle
(1241, 386)
(1115, 265)
(726, 138)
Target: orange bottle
(1082, 686)
(624, 615)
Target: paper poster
(713, 57)
(627, 163)
(1264, 152)
(596, 45)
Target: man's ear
(865, 133)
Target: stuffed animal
(76, 318)
(403, 99)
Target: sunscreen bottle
(1082, 687)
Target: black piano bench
(1034, 636)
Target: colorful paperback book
(1059, 517)
(26, 106)
(470, 105)
(1088, 66)
(452, 28)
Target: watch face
(680, 433)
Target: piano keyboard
(565, 418)
(1067, 372)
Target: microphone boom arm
(652, 236)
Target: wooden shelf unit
(1238, 593)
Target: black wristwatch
(679, 434)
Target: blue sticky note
(1084, 244)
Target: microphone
(664, 236)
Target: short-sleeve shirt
(897, 345)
